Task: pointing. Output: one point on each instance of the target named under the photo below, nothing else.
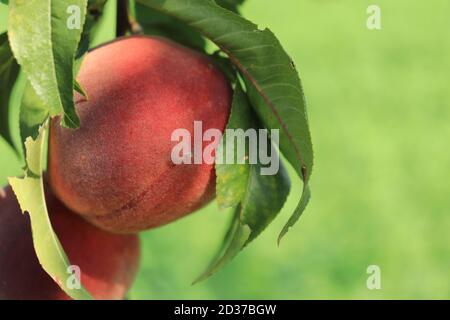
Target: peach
(108, 262)
(116, 169)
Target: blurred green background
(379, 107)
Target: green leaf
(33, 111)
(239, 237)
(306, 195)
(272, 82)
(9, 71)
(155, 23)
(232, 179)
(31, 197)
(78, 88)
(33, 114)
(44, 38)
(232, 5)
(4, 1)
(259, 198)
(263, 200)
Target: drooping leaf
(239, 237)
(231, 230)
(232, 178)
(258, 198)
(263, 200)
(241, 181)
(9, 71)
(44, 38)
(304, 199)
(272, 82)
(30, 194)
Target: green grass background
(378, 104)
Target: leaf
(272, 82)
(78, 88)
(30, 194)
(238, 240)
(45, 46)
(33, 111)
(232, 5)
(263, 200)
(259, 198)
(159, 24)
(232, 179)
(233, 225)
(9, 71)
(33, 114)
(306, 195)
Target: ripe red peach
(116, 169)
(108, 262)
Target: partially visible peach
(108, 262)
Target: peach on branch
(116, 169)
